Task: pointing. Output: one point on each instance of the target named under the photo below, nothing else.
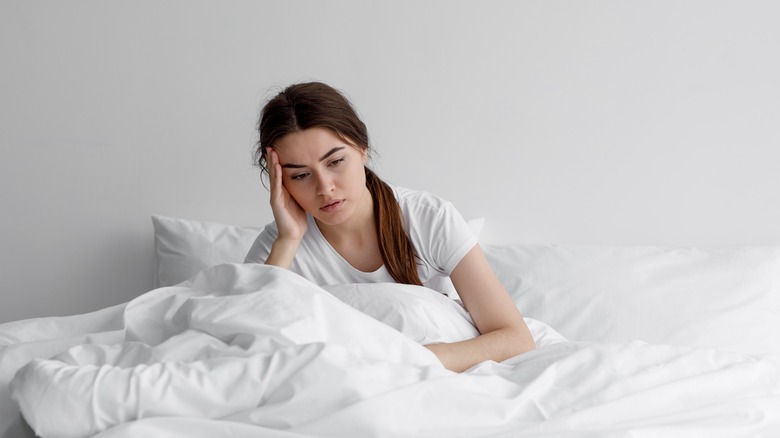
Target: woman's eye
(337, 162)
(299, 176)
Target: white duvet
(257, 351)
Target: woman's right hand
(289, 216)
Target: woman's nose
(324, 184)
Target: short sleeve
(451, 238)
(440, 234)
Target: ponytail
(394, 244)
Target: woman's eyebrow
(331, 152)
(324, 157)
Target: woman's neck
(360, 228)
(356, 239)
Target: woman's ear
(364, 153)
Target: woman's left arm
(503, 333)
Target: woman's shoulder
(411, 199)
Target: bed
(632, 341)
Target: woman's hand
(289, 216)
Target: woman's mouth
(333, 206)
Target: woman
(336, 222)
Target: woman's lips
(333, 206)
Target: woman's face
(324, 174)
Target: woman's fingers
(270, 159)
(289, 216)
(275, 174)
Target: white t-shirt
(439, 233)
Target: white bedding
(257, 351)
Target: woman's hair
(314, 104)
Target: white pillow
(726, 299)
(476, 225)
(183, 247)
(422, 314)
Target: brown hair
(314, 104)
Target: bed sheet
(252, 350)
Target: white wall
(616, 122)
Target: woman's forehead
(311, 142)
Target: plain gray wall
(610, 122)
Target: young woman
(336, 222)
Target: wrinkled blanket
(253, 350)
